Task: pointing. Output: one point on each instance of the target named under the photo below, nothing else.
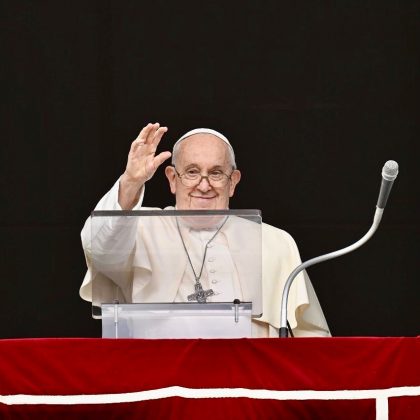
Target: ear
(171, 175)
(234, 179)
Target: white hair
(204, 131)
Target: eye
(217, 174)
(192, 171)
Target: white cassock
(225, 270)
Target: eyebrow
(194, 165)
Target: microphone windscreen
(390, 170)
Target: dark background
(315, 97)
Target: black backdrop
(315, 97)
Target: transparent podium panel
(176, 320)
(170, 256)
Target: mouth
(202, 200)
(205, 197)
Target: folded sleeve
(107, 233)
(280, 257)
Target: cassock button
(211, 259)
(212, 270)
(214, 281)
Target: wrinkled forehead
(203, 150)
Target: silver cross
(200, 295)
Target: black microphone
(389, 173)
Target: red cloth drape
(106, 366)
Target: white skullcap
(204, 131)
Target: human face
(206, 153)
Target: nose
(204, 184)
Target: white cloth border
(380, 395)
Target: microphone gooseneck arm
(283, 332)
(389, 173)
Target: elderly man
(204, 177)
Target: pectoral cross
(200, 295)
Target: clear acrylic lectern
(176, 274)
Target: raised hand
(142, 163)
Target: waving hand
(142, 163)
